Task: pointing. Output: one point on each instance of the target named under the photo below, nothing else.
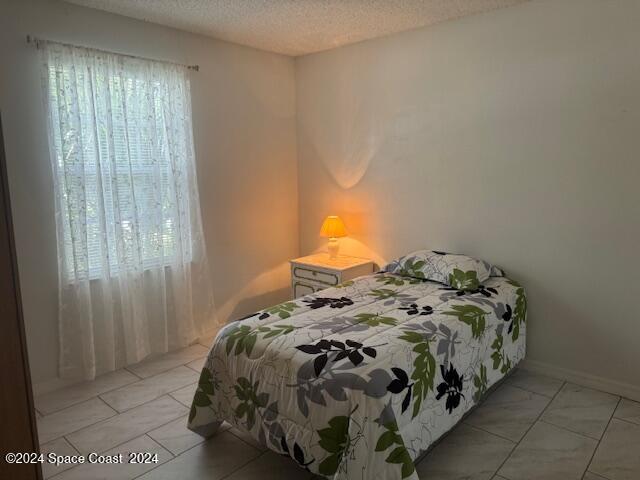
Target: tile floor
(530, 428)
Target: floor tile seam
(595, 450)
(528, 430)
(90, 398)
(137, 436)
(144, 403)
(115, 413)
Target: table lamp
(333, 228)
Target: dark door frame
(18, 432)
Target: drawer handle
(297, 270)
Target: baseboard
(626, 390)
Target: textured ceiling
(295, 27)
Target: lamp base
(333, 247)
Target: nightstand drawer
(317, 272)
(319, 276)
(302, 289)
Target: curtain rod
(37, 41)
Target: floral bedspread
(356, 381)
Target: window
(120, 163)
(134, 274)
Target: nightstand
(316, 272)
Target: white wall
(513, 136)
(244, 130)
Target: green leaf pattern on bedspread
(363, 377)
(244, 338)
(464, 280)
(207, 386)
(335, 440)
(283, 310)
(520, 312)
(472, 315)
(399, 454)
(424, 369)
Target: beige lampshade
(333, 227)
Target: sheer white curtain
(133, 272)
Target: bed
(356, 381)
